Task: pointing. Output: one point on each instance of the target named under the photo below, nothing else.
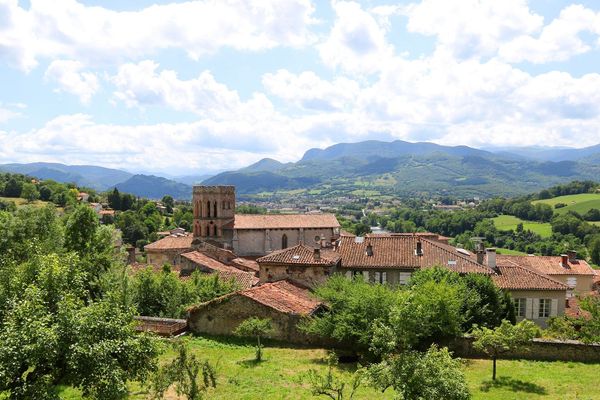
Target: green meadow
(509, 222)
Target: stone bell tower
(214, 211)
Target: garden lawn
(278, 377)
(580, 203)
(510, 222)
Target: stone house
(168, 249)
(393, 259)
(577, 274)
(306, 265)
(285, 303)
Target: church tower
(214, 209)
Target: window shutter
(349, 274)
(366, 276)
(377, 277)
(536, 308)
(554, 308)
(529, 308)
(383, 277)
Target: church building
(216, 222)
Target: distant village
(277, 259)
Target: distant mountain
(555, 154)
(266, 165)
(407, 169)
(190, 179)
(155, 187)
(98, 178)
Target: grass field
(580, 203)
(279, 376)
(508, 222)
(22, 202)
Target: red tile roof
(399, 252)
(573, 308)
(285, 221)
(549, 265)
(171, 243)
(283, 296)
(243, 279)
(300, 254)
(246, 264)
(511, 276)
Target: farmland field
(280, 375)
(508, 222)
(580, 203)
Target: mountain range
(395, 168)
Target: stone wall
(539, 349)
(308, 275)
(259, 242)
(221, 317)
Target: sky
(196, 87)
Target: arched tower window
(207, 230)
(284, 241)
(215, 209)
(196, 209)
(215, 229)
(208, 209)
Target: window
(380, 277)
(207, 230)
(208, 209)
(572, 281)
(284, 243)
(403, 278)
(215, 207)
(544, 311)
(520, 307)
(317, 239)
(215, 229)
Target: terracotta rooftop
(549, 265)
(243, 279)
(511, 276)
(573, 308)
(427, 235)
(300, 254)
(244, 263)
(283, 296)
(399, 252)
(285, 221)
(171, 243)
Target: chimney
(564, 260)
(419, 250)
(130, 255)
(369, 249)
(491, 258)
(317, 254)
(572, 256)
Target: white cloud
(357, 42)
(558, 41)
(309, 91)
(69, 29)
(472, 28)
(67, 74)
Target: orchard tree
(503, 339)
(256, 327)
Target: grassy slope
(22, 202)
(580, 203)
(510, 252)
(278, 376)
(508, 222)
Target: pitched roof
(399, 252)
(549, 265)
(301, 255)
(511, 276)
(243, 279)
(283, 296)
(285, 221)
(171, 243)
(244, 263)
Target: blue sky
(195, 87)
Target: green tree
(30, 192)
(13, 187)
(590, 329)
(414, 375)
(80, 228)
(258, 328)
(169, 203)
(503, 339)
(184, 373)
(331, 384)
(114, 199)
(594, 249)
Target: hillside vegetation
(510, 222)
(580, 203)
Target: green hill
(509, 222)
(580, 203)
